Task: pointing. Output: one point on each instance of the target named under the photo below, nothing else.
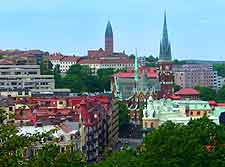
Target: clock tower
(166, 77)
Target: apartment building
(23, 78)
(191, 75)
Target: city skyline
(195, 31)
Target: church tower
(165, 64)
(108, 40)
(165, 48)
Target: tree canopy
(200, 143)
(81, 79)
(211, 94)
(123, 114)
(206, 93)
(220, 68)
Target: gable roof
(187, 91)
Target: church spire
(165, 48)
(109, 39)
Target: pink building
(191, 75)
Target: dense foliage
(198, 144)
(81, 79)
(123, 114)
(151, 61)
(220, 68)
(176, 87)
(210, 94)
(206, 93)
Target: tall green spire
(165, 48)
(136, 67)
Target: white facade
(64, 66)
(64, 62)
(97, 66)
(24, 78)
(218, 81)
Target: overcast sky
(196, 27)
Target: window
(26, 92)
(146, 124)
(198, 113)
(152, 125)
(61, 102)
(10, 109)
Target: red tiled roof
(6, 62)
(151, 73)
(70, 58)
(187, 91)
(175, 97)
(124, 75)
(107, 60)
(221, 104)
(57, 57)
(87, 108)
(212, 103)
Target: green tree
(176, 87)
(206, 93)
(220, 97)
(104, 77)
(58, 78)
(50, 156)
(220, 68)
(176, 145)
(151, 61)
(123, 114)
(179, 62)
(3, 116)
(46, 70)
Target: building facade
(192, 75)
(20, 78)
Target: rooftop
(187, 91)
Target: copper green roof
(109, 32)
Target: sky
(196, 27)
